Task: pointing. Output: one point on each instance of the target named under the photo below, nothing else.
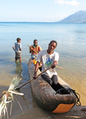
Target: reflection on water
(18, 69)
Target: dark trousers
(51, 81)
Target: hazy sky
(39, 10)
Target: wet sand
(37, 112)
(75, 113)
(31, 110)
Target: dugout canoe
(58, 99)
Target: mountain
(78, 17)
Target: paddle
(59, 67)
(32, 49)
(32, 79)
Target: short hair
(35, 40)
(53, 41)
(18, 39)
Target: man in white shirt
(48, 58)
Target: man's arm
(13, 47)
(36, 69)
(40, 49)
(20, 47)
(54, 64)
(55, 60)
(32, 50)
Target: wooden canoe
(57, 102)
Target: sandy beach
(31, 110)
(77, 112)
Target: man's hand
(31, 48)
(53, 65)
(13, 47)
(35, 76)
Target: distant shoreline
(43, 22)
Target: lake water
(71, 47)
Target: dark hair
(53, 41)
(35, 40)
(18, 39)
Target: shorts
(33, 56)
(17, 55)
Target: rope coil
(78, 103)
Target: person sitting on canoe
(49, 58)
(34, 49)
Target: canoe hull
(46, 96)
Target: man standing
(48, 58)
(17, 48)
(35, 49)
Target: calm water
(71, 47)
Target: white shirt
(47, 60)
